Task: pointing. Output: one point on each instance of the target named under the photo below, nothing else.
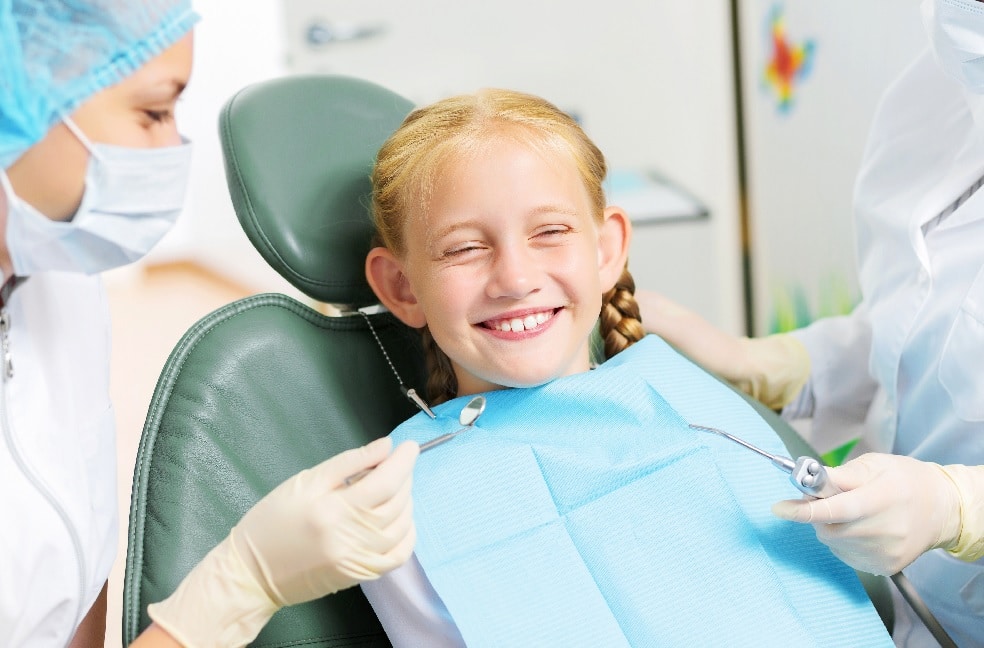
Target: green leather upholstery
(298, 153)
(266, 386)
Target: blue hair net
(55, 54)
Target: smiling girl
(497, 243)
(573, 512)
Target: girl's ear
(385, 274)
(614, 238)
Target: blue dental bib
(586, 512)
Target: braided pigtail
(442, 384)
(621, 323)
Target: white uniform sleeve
(410, 611)
(840, 390)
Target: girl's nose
(513, 273)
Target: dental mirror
(471, 411)
(469, 414)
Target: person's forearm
(91, 633)
(770, 369)
(155, 637)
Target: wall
(235, 44)
(651, 81)
(803, 155)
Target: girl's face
(506, 267)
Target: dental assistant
(908, 362)
(73, 80)
(92, 175)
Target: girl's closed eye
(462, 250)
(552, 233)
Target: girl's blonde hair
(458, 127)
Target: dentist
(909, 360)
(92, 175)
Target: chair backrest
(267, 386)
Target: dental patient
(581, 509)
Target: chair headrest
(298, 153)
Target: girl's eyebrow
(536, 211)
(472, 223)
(453, 227)
(552, 209)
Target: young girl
(582, 509)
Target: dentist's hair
(460, 127)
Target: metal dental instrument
(810, 477)
(469, 414)
(806, 473)
(410, 393)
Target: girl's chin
(472, 383)
(506, 382)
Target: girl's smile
(529, 321)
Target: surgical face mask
(954, 28)
(132, 198)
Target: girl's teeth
(518, 324)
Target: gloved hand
(771, 369)
(307, 538)
(893, 509)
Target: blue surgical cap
(55, 54)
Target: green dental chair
(267, 386)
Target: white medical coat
(909, 362)
(57, 460)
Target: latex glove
(970, 483)
(893, 509)
(771, 369)
(307, 538)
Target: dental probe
(469, 414)
(806, 473)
